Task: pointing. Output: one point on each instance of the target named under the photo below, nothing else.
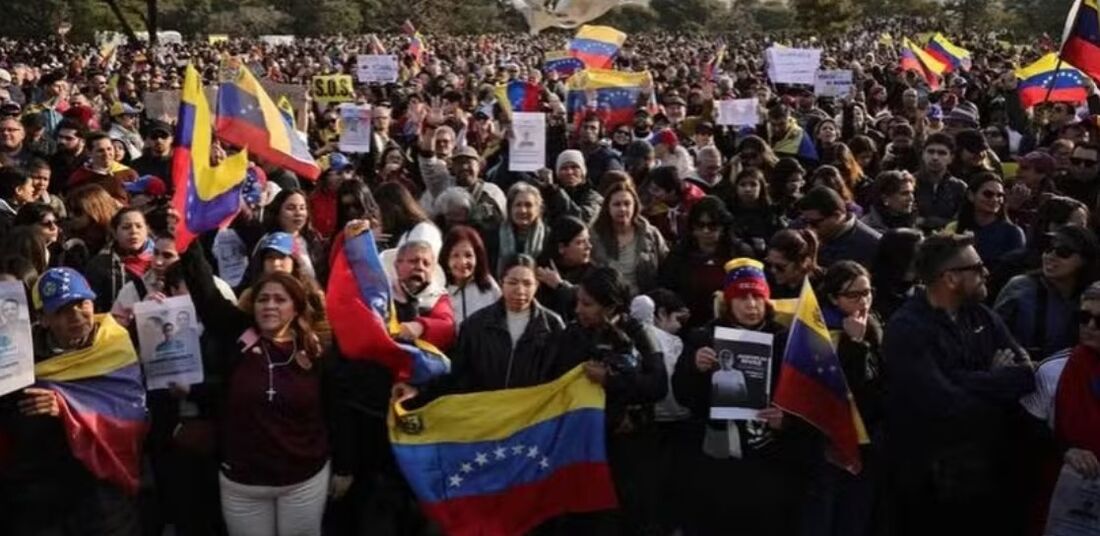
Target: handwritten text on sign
(793, 65)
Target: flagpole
(1075, 13)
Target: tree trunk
(129, 31)
(151, 21)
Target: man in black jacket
(954, 377)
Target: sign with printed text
(833, 83)
(793, 65)
(277, 40)
(355, 136)
(376, 68)
(16, 348)
(527, 151)
(168, 336)
(332, 88)
(738, 112)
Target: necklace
(271, 368)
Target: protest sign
(16, 348)
(738, 112)
(376, 68)
(793, 65)
(214, 39)
(332, 88)
(741, 386)
(833, 83)
(1074, 506)
(355, 134)
(527, 150)
(169, 341)
(277, 40)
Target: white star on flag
(544, 463)
(518, 450)
(466, 468)
(533, 451)
(456, 481)
(482, 458)
(500, 453)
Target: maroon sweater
(278, 442)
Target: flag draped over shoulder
(247, 117)
(812, 384)
(102, 401)
(501, 462)
(363, 318)
(947, 53)
(1081, 38)
(597, 46)
(206, 197)
(613, 95)
(1064, 83)
(519, 96)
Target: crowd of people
(949, 234)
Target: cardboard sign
(833, 83)
(332, 88)
(793, 65)
(377, 68)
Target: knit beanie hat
(571, 156)
(744, 277)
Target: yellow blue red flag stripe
(597, 46)
(1045, 77)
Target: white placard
(833, 83)
(376, 68)
(793, 65)
(741, 387)
(1074, 506)
(527, 150)
(738, 112)
(168, 334)
(355, 133)
(276, 40)
(16, 346)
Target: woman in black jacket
(624, 358)
(510, 343)
(747, 477)
(839, 503)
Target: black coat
(485, 359)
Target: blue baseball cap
(935, 112)
(339, 162)
(278, 241)
(59, 287)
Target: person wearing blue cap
(124, 127)
(61, 475)
(322, 200)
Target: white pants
(294, 510)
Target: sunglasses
(976, 267)
(1061, 251)
(707, 225)
(990, 194)
(160, 135)
(856, 294)
(1086, 318)
(1083, 162)
(50, 224)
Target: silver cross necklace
(271, 368)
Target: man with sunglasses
(843, 237)
(954, 375)
(1083, 181)
(157, 158)
(939, 194)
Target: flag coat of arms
(502, 462)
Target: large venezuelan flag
(519, 96)
(616, 95)
(1081, 38)
(362, 315)
(561, 62)
(102, 401)
(502, 462)
(597, 46)
(953, 57)
(1067, 84)
(247, 117)
(812, 384)
(205, 197)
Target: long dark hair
(562, 232)
(457, 235)
(839, 276)
(603, 227)
(763, 201)
(400, 212)
(365, 205)
(271, 215)
(966, 220)
(304, 309)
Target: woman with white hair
(523, 231)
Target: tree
(250, 20)
(824, 16)
(329, 17)
(1047, 16)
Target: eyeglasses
(1083, 162)
(992, 194)
(49, 224)
(1061, 250)
(1087, 318)
(856, 294)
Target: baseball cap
(121, 108)
(159, 127)
(1039, 161)
(935, 112)
(278, 241)
(147, 185)
(59, 287)
(339, 162)
(466, 152)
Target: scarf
(138, 263)
(896, 220)
(1077, 400)
(532, 245)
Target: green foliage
(1036, 16)
(825, 16)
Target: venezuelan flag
(205, 197)
(616, 95)
(1067, 84)
(519, 96)
(712, 67)
(363, 318)
(561, 62)
(812, 384)
(502, 462)
(915, 59)
(950, 55)
(247, 117)
(597, 46)
(1081, 38)
(102, 401)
